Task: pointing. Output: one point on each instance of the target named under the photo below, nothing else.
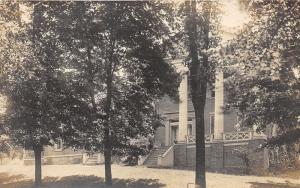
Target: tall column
(219, 104)
(194, 126)
(167, 132)
(183, 108)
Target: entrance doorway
(174, 134)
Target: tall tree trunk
(107, 109)
(107, 157)
(38, 166)
(198, 76)
(107, 145)
(107, 105)
(200, 179)
(37, 148)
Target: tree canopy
(263, 62)
(91, 73)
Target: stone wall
(64, 160)
(223, 156)
(51, 151)
(54, 156)
(57, 160)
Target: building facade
(179, 118)
(226, 149)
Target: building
(225, 144)
(179, 118)
(174, 144)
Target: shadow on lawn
(78, 182)
(5, 177)
(271, 184)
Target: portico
(175, 142)
(180, 125)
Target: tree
(114, 68)
(4, 148)
(29, 82)
(8, 17)
(264, 69)
(201, 31)
(148, 76)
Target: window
(190, 130)
(174, 130)
(212, 93)
(212, 123)
(58, 146)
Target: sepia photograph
(150, 94)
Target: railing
(192, 138)
(227, 136)
(231, 136)
(209, 137)
(166, 159)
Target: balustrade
(192, 138)
(245, 135)
(228, 136)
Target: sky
(233, 18)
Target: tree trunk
(198, 76)
(107, 140)
(107, 157)
(200, 180)
(107, 124)
(38, 167)
(198, 99)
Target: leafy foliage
(111, 58)
(29, 83)
(264, 63)
(121, 41)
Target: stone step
(90, 163)
(153, 157)
(151, 161)
(93, 156)
(91, 160)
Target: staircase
(151, 160)
(91, 160)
